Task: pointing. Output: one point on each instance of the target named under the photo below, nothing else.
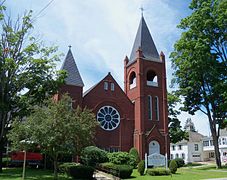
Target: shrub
(122, 158)
(158, 172)
(80, 171)
(180, 162)
(173, 166)
(122, 171)
(92, 155)
(134, 152)
(141, 167)
(190, 164)
(64, 168)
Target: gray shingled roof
(69, 65)
(145, 42)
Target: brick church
(133, 117)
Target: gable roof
(145, 42)
(117, 85)
(70, 66)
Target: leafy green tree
(56, 128)
(200, 63)
(176, 133)
(27, 71)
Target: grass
(185, 174)
(31, 174)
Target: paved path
(99, 175)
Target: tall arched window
(156, 107)
(149, 107)
(132, 80)
(152, 79)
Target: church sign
(155, 160)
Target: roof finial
(70, 46)
(142, 9)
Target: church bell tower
(145, 85)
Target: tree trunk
(55, 168)
(1, 154)
(216, 145)
(216, 149)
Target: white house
(208, 147)
(190, 150)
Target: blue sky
(102, 33)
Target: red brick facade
(136, 117)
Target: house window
(211, 154)
(171, 156)
(177, 155)
(196, 155)
(112, 86)
(183, 156)
(156, 108)
(106, 85)
(205, 143)
(150, 107)
(224, 141)
(196, 147)
(173, 147)
(180, 147)
(211, 142)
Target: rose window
(108, 118)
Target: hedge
(173, 166)
(133, 151)
(141, 167)
(92, 155)
(122, 171)
(122, 158)
(77, 171)
(180, 162)
(158, 172)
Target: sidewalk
(99, 175)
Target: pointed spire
(145, 42)
(69, 65)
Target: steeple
(69, 65)
(144, 42)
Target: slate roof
(192, 137)
(145, 42)
(70, 66)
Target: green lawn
(185, 174)
(182, 174)
(31, 174)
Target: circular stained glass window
(108, 118)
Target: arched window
(152, 79)
(149, 107)
(132, 80)
(156, 107)
(177, 155)
(183, 156)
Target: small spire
(70, 46)
(142, 9)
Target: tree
(176, 133)
(56, 128)
(200, 63)
(27, 71)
